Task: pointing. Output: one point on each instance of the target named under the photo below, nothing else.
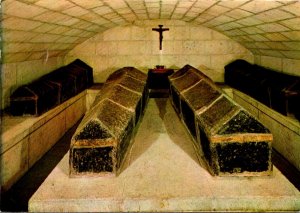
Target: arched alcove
(37, 34)
(137, 45)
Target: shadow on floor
(176, 129)
(286, 168)
(17, 197)
(146, 133)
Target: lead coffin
(231, 141)
(51, 89)
(276, 90)
(101, 141)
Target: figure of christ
(160, 30)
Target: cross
(160, 30)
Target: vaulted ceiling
(33, 28)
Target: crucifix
(160, 30)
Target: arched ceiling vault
(33, 28)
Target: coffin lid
(114, 106)
(122, 88)
(108, 117)
(34, 89)
(200, 95)
(118, 94)
(217, 113)
(81, 63)
(129, 71)
(242, 122)
(189, 68)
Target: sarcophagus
(88, 70)
(65, 82)
(51, 89)
(231, 141)
(100, 142)
(276, 90)
(81, 76)
(34, 98)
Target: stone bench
(230, 139)
(51, 89)
(276, 90)
(101, 140)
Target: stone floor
(16, 199)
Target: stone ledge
(289, 122)
(24, 140)
(15, 128)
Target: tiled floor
(16, 199)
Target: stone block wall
(279, 63)
(231, 140)
(137, 45)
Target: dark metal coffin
(104, 133)
(88, 70)
(102, 139)
(64, 81)
(51, 89)
(276, 90)
(227, 136)
(34, 98)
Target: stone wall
(137, 45)
(281, 64)
(16, 74)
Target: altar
(162, 173)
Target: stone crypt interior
(120, 46)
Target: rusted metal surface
(102, 139)
(227, 136)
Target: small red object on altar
(159, 68)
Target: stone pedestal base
(162, 173)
